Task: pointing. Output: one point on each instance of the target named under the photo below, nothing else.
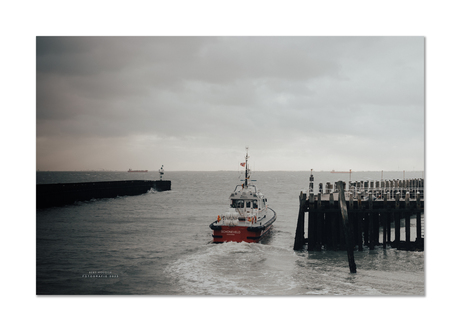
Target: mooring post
(347, 228)
(300, 230)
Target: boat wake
(254, 269)
(235, 269)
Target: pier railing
(375, 189)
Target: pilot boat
(248, 219)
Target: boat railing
(251, 187)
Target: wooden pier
(349, 219)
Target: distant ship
(340, 172)
(131, 170)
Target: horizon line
(154, 171)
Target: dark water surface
(159, 243)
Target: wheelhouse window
(237, 204)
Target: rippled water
(159, 243)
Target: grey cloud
(223, 92)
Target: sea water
(159, 243)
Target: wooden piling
(352, 218)
(360, 225)
(419, 239)
(326, 227)
(312, 239)
(397, 217)
(365, 221)
(407, 220)
(300, 230)
(347, 228)
(371, 226)
(319, 220)
(384, 220)
(389, 220)
(333, 221)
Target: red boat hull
(238, 234)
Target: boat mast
(246, 175)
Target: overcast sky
(195, 103)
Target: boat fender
(215, 227)
(256, 228)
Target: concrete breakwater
(51, 195)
